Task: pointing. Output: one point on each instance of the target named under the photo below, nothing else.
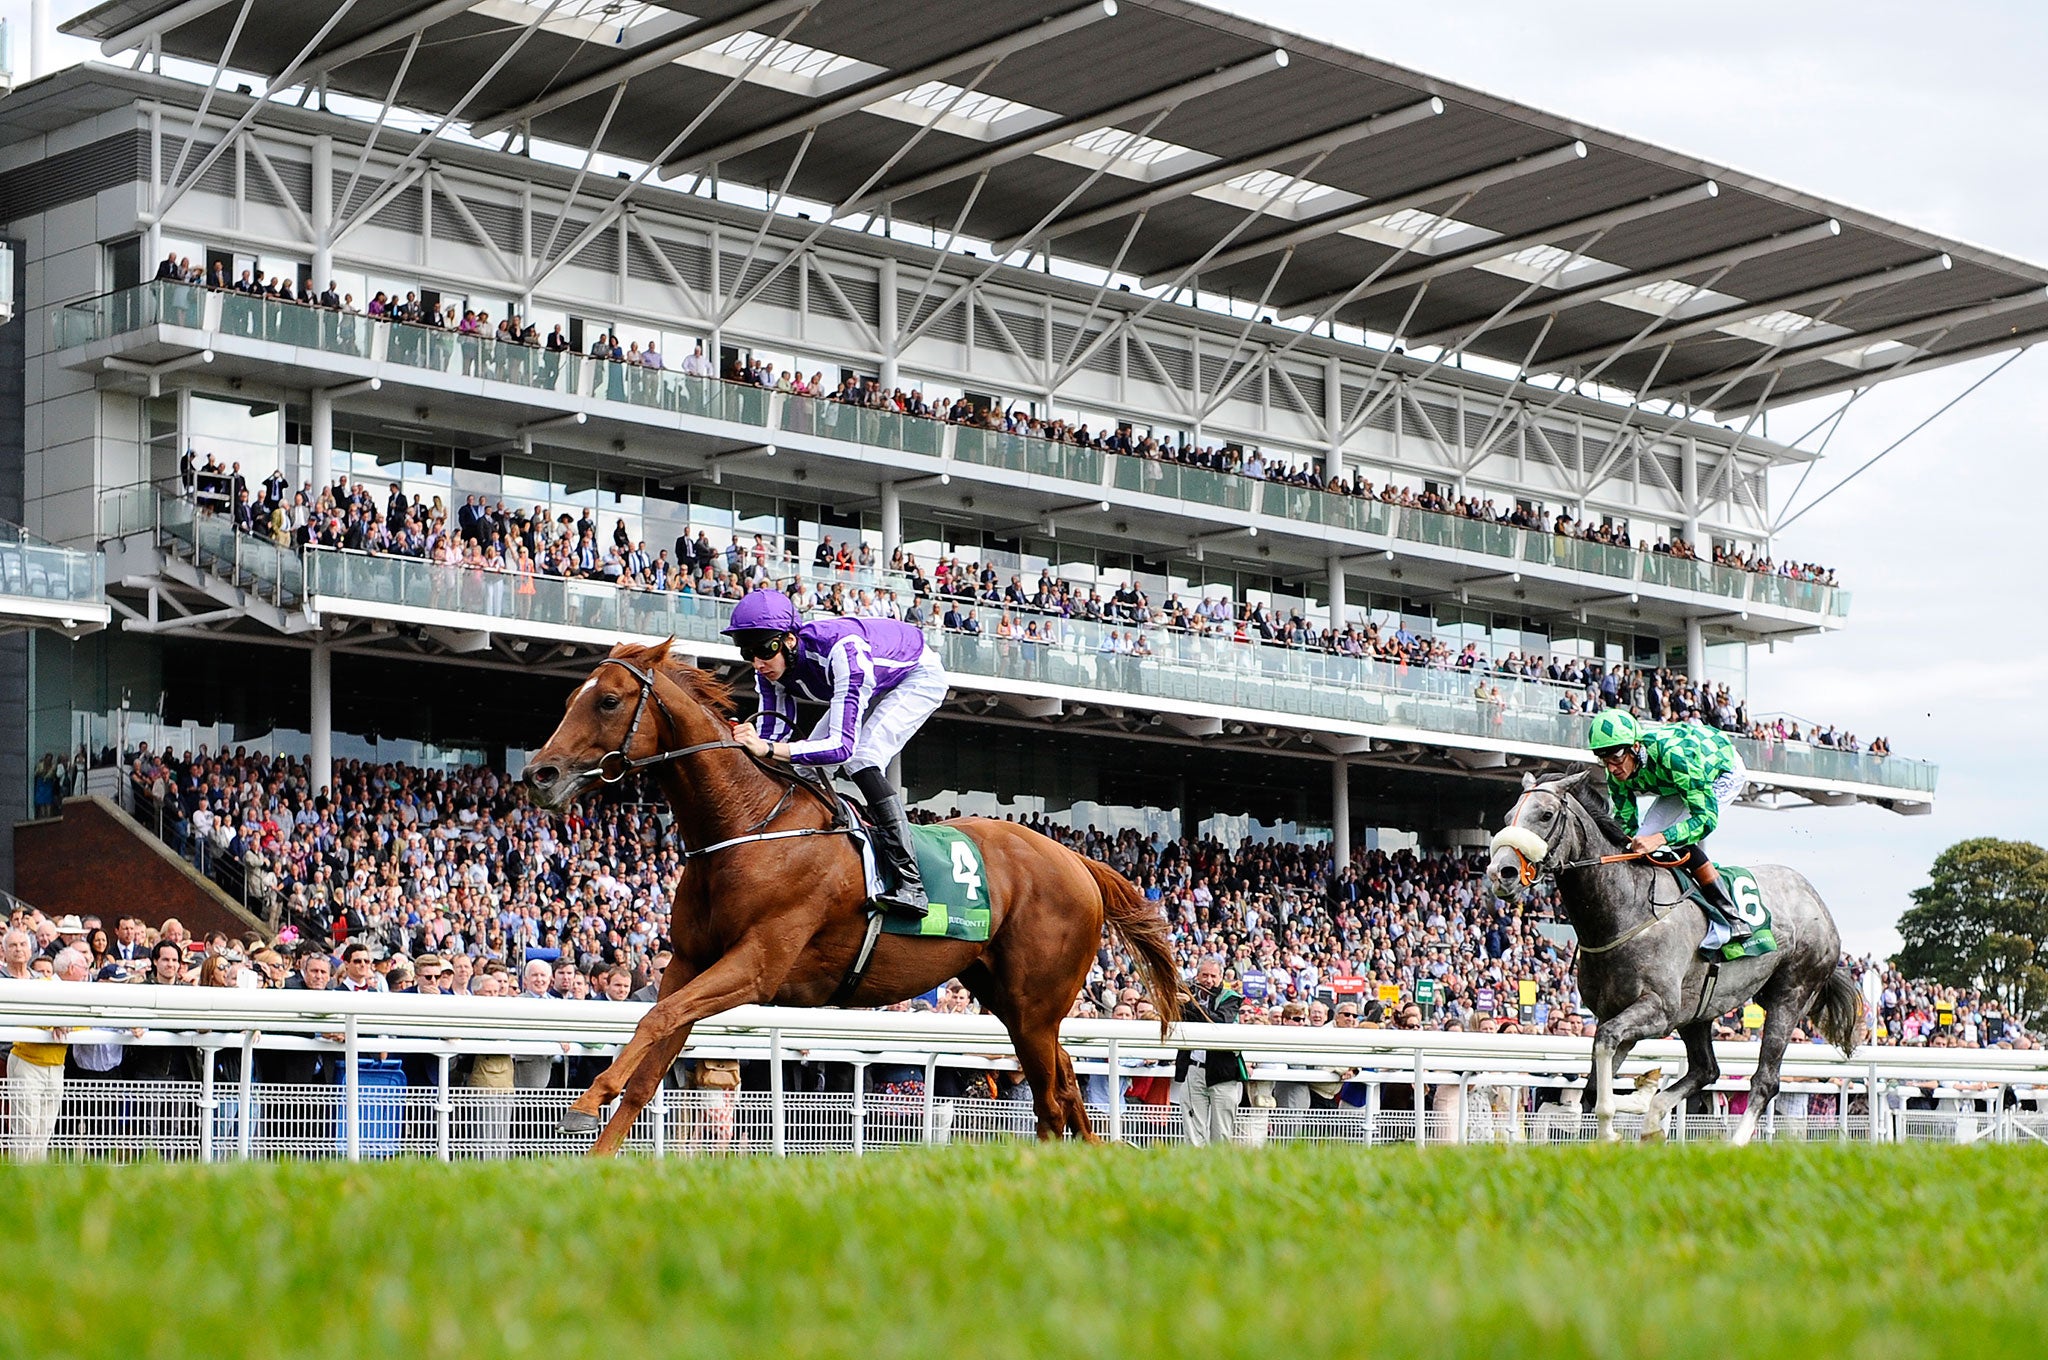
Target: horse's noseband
(1517, 840)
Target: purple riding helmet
(764, 611)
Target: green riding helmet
(1615, 727)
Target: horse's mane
(701, 685)
(1589, 791)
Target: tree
(1982, 922)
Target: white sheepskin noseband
(1523, 841)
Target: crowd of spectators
(520, 335)
(412, 862)
(407, 880)
(504, 548)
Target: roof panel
(1088, 68)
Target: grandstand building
(1158, 221)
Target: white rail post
(245, 1099)
(443, 1106)
(1459, 1134)
(931, 1073)
(860, 1108)
(1842, 1109)
(207, 1103)
(777, 1115)
(1372, 1106)
(1116, 1095)
(1421, 1103)
(1873, 1096)
(351, 1087)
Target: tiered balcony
(360, 346)
(1074, 659)
(45, 586)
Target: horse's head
(1547, 824)
(636, 700)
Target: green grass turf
(1812, 1251)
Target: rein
(1533, 870)
(618, 760)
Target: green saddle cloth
(1751, 912)
(956, 881)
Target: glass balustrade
(31, 568)
(1122, 661)
(478, 356)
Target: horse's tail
(1141, 928)
(1838, 1012)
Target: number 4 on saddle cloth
(955, 879)
(1754, 914)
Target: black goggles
(758, 646)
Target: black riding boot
(1720, 903)
(892, 837)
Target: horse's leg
(1037, 1044)
(1076, 1102)
(749, 972)
(640, 1089)
(1701, 1071)
(1646, 1019)
(1779, 1021)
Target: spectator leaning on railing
(503, 549)
(516, 338)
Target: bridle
(1539, 866)
(614, 765)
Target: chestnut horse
(771, 903)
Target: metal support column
(1336, 590)
(321, 436)
(38, 39)
(1695, 652)
(323, 212)
(1340, 814)
(1689, 492)
(1333, 417)
(892, 521)
(321, 720)
(885, 323)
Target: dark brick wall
(95, 861)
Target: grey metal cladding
(71, 175)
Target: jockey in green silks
(1692, 773)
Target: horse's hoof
(1653, 1133)
(575, 1121)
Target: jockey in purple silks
(878, 680)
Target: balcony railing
(33, 569)
(445, 352)
(1122, 662)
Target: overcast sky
(1919, 113)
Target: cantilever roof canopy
(1187, 147)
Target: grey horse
(1639, 966)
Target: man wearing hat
(70, 934)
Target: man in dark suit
(296, 1068)
(1213, 1078)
